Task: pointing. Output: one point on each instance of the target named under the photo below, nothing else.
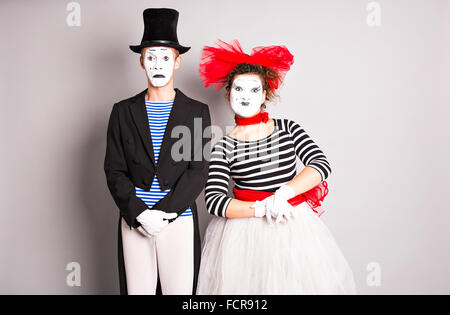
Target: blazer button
(136, 161)
(166, 183)
(146, 182)
(130, 140)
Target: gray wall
(376, 99)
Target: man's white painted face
(246, 95)
(159, 65)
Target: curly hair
(263, 72)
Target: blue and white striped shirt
(158, 114)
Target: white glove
(275, 210)
(281, 208)
(153, 221)
(142, 231)
(265, 208)
(260, 208)
(268, 208)
(287, 211)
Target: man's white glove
(142, 231)
(153, 221)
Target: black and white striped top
(263, 164)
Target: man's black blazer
(129, 159)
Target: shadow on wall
(101, 215)
(100, 218)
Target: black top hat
(160, 29)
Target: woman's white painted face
(247, 95)
(159, 65)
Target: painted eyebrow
(254, 87)
(154, 55)
(254, 80)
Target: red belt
(313, 197)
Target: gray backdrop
(374, 97)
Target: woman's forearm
(304, 181)
(308, 178)
(240, 209)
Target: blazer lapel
(139, 112)
(176, 116)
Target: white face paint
(246, 95)
(159, 65)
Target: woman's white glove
(262, 210)
(153, 221)
(280, 207)
(276, 205)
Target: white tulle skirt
(250, 256)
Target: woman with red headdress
(269, 238)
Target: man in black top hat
(153, 184)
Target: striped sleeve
(216, 189)
(308, 152)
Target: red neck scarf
(260, 116)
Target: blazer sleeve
(120, 185)
(191, 183)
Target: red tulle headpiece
(217, 62)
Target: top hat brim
(138, 48)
